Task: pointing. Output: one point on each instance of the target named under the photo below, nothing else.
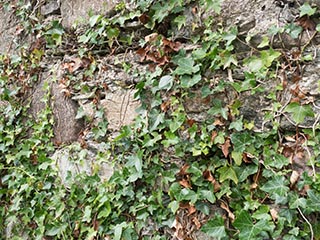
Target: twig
(307, 221)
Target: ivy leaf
(208, 195)
(249, 230)
(227, 172)
(318, 28)
(268, 56)
(299, 112)
(313, 202)
(94, 19)
(241, 140)
(186, 66)
(296, 201)
(264, 42)
(215, 228)
(180, 21)
(166, 82)
(255, 64)
(188, 81)
(276, 186)
(306, 9)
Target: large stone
(120, 108)
(73, 160)
(74, 11)
(66, 127)
(10, 32)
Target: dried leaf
(208, 176)
(144, 18)
(274, 214)
(224, 206)
(225, 147)
(178, 233)
(185, 183)
(190, 122)
(165, 106)
(214, 134)
(196, 222)
(183, 170)
(294, 177)
(142, 53)
(307, 23)
(151, 37)
(189, 207)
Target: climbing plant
(175, 174)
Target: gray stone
(120, 108)
(73, 11)
(72, 160)
(51, 7)
(66, 126)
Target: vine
(179, 169)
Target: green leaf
(230, 36)
(165, 82)
(189, 81)
(237, 157)
(313, 202)
(268, 56)
(208, 195)
(299, 112)
(227, 172)
(276, 186)
(186, 66)
(118, 231)
(293, 30)
(306, 9)
(215, 228)
(255, 64)
(264, 42)
(296, 201)
(248, 230)
(174, 206)
(318, 28)
(180, 21)
(241, 140)
(275, 160)
(94, 19)
(243, 172)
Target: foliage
(219, 174)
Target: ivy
(180, 171)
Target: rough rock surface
(74, 11)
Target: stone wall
(117, 97)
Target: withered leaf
(144, 18)
(225, 147)
(307, 23)
(224, 206)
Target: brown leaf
(218, 122)
(307, 23)
(185, 183)
(144, 18)
(294, 177)
(208, 176)
(151, 37)
(196, 222)
(178, 233)
(165, 106)
(274, 214)
(142, 53)
(190, 122)
(225, 147)
(183, 170)
(214, 134)
(189, 207)
(224, 206)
